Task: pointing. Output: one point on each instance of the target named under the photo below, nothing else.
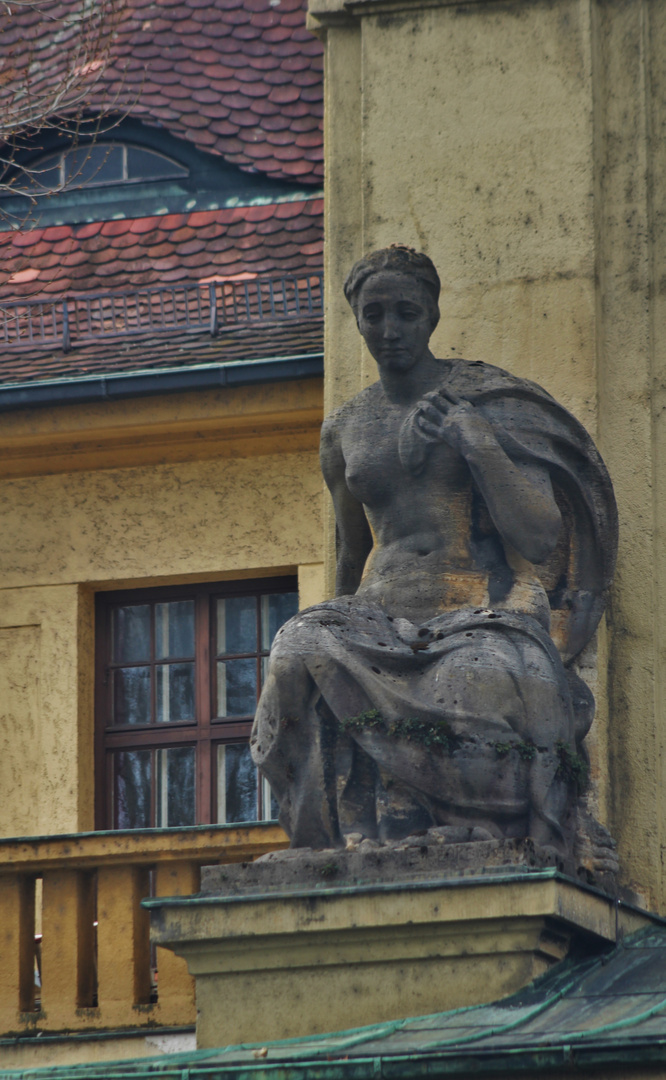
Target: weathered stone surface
(439, 853)
(477, 535)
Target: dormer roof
(237, 78)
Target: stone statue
(476, 530)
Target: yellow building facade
(211, 486)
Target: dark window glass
(236, 687)
(276, 609)
(131, 696)
(99, 164)
(147, 165)
(132, 789)
(174, 629)
(175, 786)
(131, 633)
(175, 693)
(236, 625)
(237, 784)
(96, 164)
(43, 175)
(180, 672)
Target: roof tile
(224, 127)
(277, 33)
(27, 239)
(160, 250)
(264, 239)
(190, 247)
(278, 78)
(57, 232)
(114, 228)
(111, 355)
(297, 168)
(266, 108)
(284, 95)
(247, 33)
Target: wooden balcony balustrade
(94, 958)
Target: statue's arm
(353, 536)
(519, 496)
(520, 501)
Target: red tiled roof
(259, 341)
(205, 245)
(241, 78)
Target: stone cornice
(324, 13)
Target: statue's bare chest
(375, 474)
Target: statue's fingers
(435, 401)
(450, 396)
(428, 428)
(431, 412)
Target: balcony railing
(91, 967)
(187, 308)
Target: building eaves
(48, 393)
(148, 354)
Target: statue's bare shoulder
(348, 415)
(340, 426)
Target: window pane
(275, 610)
(236, 687)
(236, 784)
(131, 633)
(269, 804)
(86, 166)
(175, 693)
(174, 629)
(132, 789)
(237, 625)
(175, 786)
(131, 695)
(40, 176)
(146, 165)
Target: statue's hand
(443, 416)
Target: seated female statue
(476, 539)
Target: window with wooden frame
(179, 672)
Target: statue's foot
(460, 834)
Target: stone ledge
(324, 13)
(445, 851)
(271, 965)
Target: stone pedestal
(293, 962)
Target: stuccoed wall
(67, 535)
(520, 144)
(46, 766)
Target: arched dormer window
(99, 164)
(131, 169)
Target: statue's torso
(426, 556)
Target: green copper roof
(584, 1013)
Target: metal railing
(188, 308)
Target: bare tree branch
(54, 54)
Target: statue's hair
(401, 259)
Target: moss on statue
(425, 732)
(572, 766)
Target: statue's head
(396, 259)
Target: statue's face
(395, 319)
